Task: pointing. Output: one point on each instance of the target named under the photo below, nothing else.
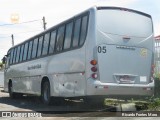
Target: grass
(154, 105)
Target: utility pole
(44, 23)
(12, 40)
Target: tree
(1, 65)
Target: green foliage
(110, 101)
(155, 104)
(1, 65)
(157, 75)
(157, 88)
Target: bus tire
(45, 94)
(10, 89)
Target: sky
(31, 12)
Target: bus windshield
(122, 22)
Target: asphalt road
(66, 110)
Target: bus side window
(40, 43)
(11, 57)
(25, 51)
(60, 38)
(46, 44)
(14, 58)
(76, 32)
(84, 27)
(52, 42)
(29, 50)
(21, 53)
(18, 52)
(34, 49)
(68, 35)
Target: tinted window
(83, 29)
(46, 44)
(52, 42)
(21, 54)
(34, 50)
(76, 32)
(60, 38)
(29, 50)
(25, 51)
(7, 59)
(68, 35)
(15, 51)
(125, 23)
(18, 52)
(11, 56)
(40, 43)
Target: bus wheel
(10, 89)
(46, 98)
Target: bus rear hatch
(124, 46)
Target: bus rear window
(120, 22)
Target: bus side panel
(26, 78)
(67, 77)
(69, 73)
(90, 44)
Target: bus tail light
(105, 87)
(94, 69)
(147, 89)
(93, 62)
(94, 73)
(94, 76)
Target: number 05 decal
(102, 49)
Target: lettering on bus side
(38, 66)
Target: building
(157, 56)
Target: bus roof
(94, 7)
(53, 27)
(124, 9)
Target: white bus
(101, 52)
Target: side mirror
(4, 60)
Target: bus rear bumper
(114, 89)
